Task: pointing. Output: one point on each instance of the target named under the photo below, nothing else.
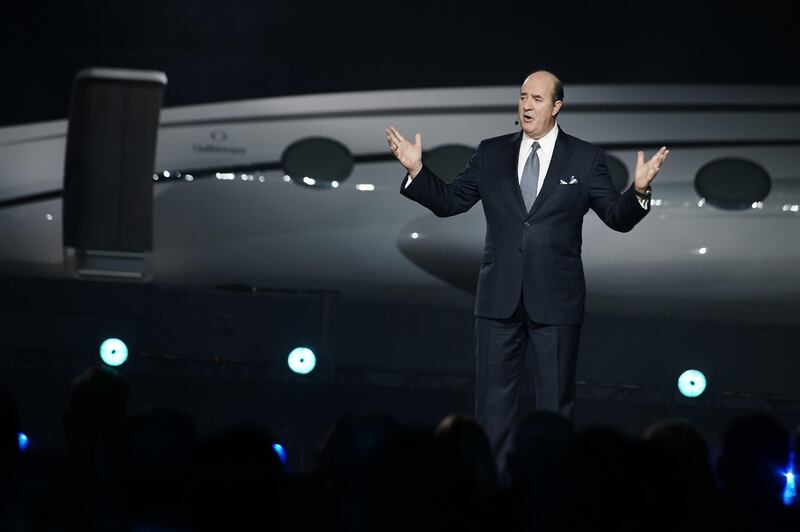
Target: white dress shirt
(545, 152)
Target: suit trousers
(501, 347)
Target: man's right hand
(409, 155)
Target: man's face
(536, 108)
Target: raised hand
(409, 155)
(646, 172)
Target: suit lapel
(561, 153)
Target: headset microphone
(516, 122)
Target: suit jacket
(535, 255)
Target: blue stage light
(790, 490)
(280, 451)
(114, 352)
(692, 383)
(302, 360)
(23, 441)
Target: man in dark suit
(536, 185)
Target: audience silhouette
(153, 471)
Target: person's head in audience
(411, 486)
(466, 441)
(614, 483)
(9, 430)
(540, 447)
(345, 457)
(687, 451)
(239, 482)
(755, 455)
(9, 425)
(144, 465)
(351, 445)
(98, 398)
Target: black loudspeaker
(108, 172)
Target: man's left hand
(646, 171)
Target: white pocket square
(572, 181)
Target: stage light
(302, 360)
(790, 491)
(280, 451)
(692, 383)
(22, 440)
(114, 352)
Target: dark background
(219, 51)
